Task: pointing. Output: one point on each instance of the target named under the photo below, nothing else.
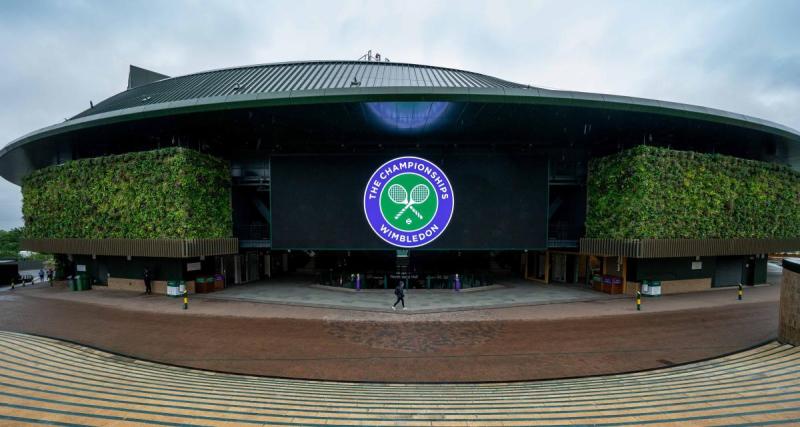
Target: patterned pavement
(508, 292)
(44, 381)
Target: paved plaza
(506, 293)
(554, 340)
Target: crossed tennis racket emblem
(419, 194)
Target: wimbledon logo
(408, 202)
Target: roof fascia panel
(355, 94)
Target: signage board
(408, 202)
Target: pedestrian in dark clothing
(41, 275)
(147, 281)
(400, 294)
(50, 275)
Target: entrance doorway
(729, 271)
(559, 269)
(749, 271)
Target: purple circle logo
(408, 202)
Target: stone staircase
(51, 382)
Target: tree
(9, 243)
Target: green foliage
(168, 193)
(9, 243)
(649, 192)
(39, 257)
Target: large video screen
(487, 201)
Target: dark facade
(303, 138)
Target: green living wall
(167, 193)
(649, 192)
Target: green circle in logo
(408, 202)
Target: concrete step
(53, 381)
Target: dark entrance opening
(749, 271)
(418, 269)
(728, 271)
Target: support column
(526, 260)
(789, 332)
(624, 274)
(547, 267)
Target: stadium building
(368, 172)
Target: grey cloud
(741, 56)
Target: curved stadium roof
(296, 77)
(312, 82)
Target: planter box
(203, 287)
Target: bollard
(457, 284)
(358, 281)
(638, 301)
(740, 291)
(185, 300)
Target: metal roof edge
(316, 61)
(498, 95)
(628, 103)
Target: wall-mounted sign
(193, 266)
(80, 267)
(408, 202)
(697, 265)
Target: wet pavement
(505, 293)
(513, 343)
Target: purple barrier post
(358, 282)
(457, 286)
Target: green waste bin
(655, 288)
(172, 288)
(71, 283)
(83, 283)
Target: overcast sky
(742, 56)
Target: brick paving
(548, 302)
(508, 292)
(512, 343)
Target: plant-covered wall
(649, 192)
(168, 193)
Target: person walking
(400, 294)
(41, 275)
(50, 275)
(147, 281)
